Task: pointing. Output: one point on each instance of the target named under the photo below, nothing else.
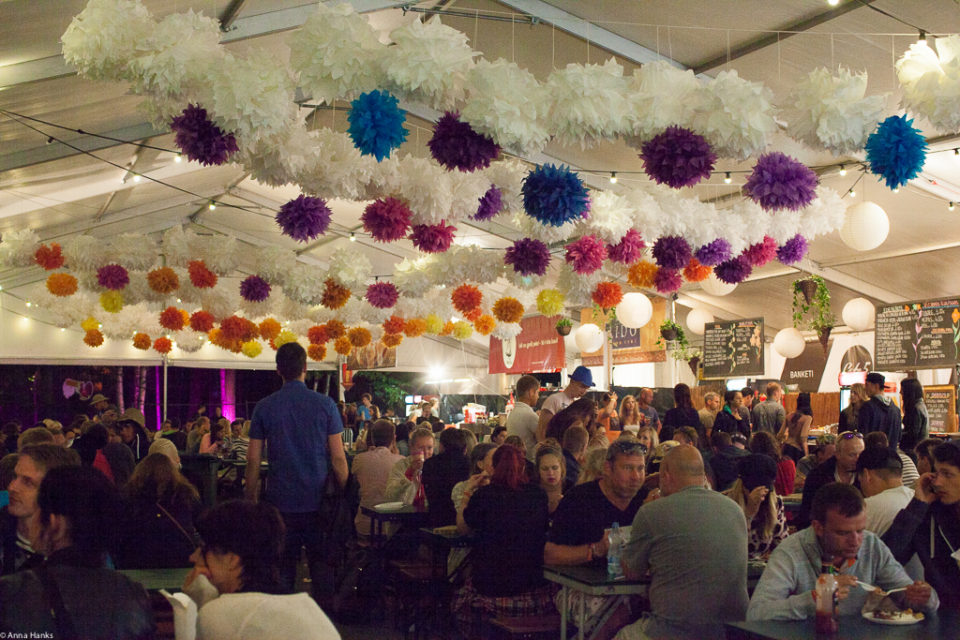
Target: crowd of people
(698, 494)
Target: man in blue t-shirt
(302, 430)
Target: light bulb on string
(951, 206)
(178, 158)
(613, 177)
(922, 38)
(353, 237)
(726, 178)
(213, 205)
(843, 170)
(833, 3)
(852, 192)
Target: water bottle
(614, 569)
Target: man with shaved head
(693, 543)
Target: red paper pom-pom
(318, 334)
(447, 328)
(506, 310)
(607, 295)
(392, 339)
(393, 324)
(202, 321)
(162, 345)
(200, 276)
(484, 324)
(50, 257)
(473, 314)
(235, 328)
(172, 319)
(696, 272)
(93, 338)
(317, 352)
(141, 341)
(270, 329)
(334, 295)
(466, 298)
(336, 329)
(163, 280)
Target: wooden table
(792, 502)
(156, 579)
(942, 626)
(405, 515)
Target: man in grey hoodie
(878, 413)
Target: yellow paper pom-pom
(507, 310)
(414, 327)
(642, 274)
(462, 330)
(342, 346)
(284, 337)
(359, 337)
(550, 302)
(61, 284)
(142, 341)
(484, 325)
(251, 348)
(317, 352)
(93, 338)
(111, 301)
(392, 339)
(270, 329)
(434, 324)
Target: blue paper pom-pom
(896, 151)
(376, 124)
(554, 195)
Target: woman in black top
(915, 420)
(509, 517)
(729, 419)
(681, 415)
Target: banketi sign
(538, 348)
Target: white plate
(389, 506)
(907, 619)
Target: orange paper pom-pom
(359, 337)
(607, 295)
(93, 338)
(50, 257)
(172, 319)
(414, 327)
(507, 310)
(336, 329)
(484, 324)
(342, 346)
(200, 276)
(392, 339)
(642, 274)
(393, 324)
(235, 328)
(317, 352)
(318, 334)
(466, 298)
(202, 321)
(163, 280)
(696, 272)
(141, 341)
(162, 345)
(61, 284)
(473, 314)
(334, 295)
(270, 329)
(447, 328)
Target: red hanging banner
(538, 348)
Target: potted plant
(816, 305)
(670, 331)
(674, 339)
(563, 326)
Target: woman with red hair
(509, 518)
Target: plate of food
(895, 616)
(387, 507)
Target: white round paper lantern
(570, 342)
(865, 226)
(859, 314)
(789, 343)
(589, 337)
(634, 310)
(715, 286)
(696, 319)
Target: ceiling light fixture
(178, 158)
(726, 178)
(951, 206)
(613, 177)
(353, 237)
(922, 38)
(833, 3)
(843, 170)
(213, 205)
(852, 192)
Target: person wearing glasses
(842, 468)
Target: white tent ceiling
(57, 190)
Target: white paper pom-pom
(189, 341)
(507, 104)
(931, 82)
(531, 283)
(466, 189)
(832, 112)
(507, 175)
(131, 319)
(589, 103)
(336, 52)
(435, 59)
(575, 287)
(335, 168)
(105, 36)
(304, 284)
(85, 253)
(425, 185)
(663, 95)
(220, 253)
(824, 215)
(261, 309)
(351, 313)
(734, 115)
(507, 330)
(412, 277)
(134, 251)
(183, 48)
(351, 268)
(413, 307)
(18, 247)
(372, 314)
(273, 263)
(320, 314)
(221, 301)
(462, 264)
(531, 228)
(176, 247)
(611, 216)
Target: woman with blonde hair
(630, 417)
(762, 507)
(592, 468)
(551, 473)
(648, 437)
(848, 417)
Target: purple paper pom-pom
(586, 254)
(671, 252)
(792, 250)
(762, 252)
(780, 182)
(733, 271)
(667, 280)
(456, 145)
(678, 157)
(528, 257)
(382, 295)
(628, 250)
(432, 238)
(713, 253)
(491, 203)
(386, 219)
(254, 289)
(113, 276)
(304, 218)
(200, 139)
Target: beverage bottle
(614, 569)
(420, 498)
(826, 590)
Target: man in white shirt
(523, 420)
(580, 382)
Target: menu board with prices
(733, 349)
(941, 404)
(917, 335)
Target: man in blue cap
(580, 382)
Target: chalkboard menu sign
(917, 335)
(941, 404)
(733, 349)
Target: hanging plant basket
(808, 288)
(694, 364)
(811, 304)
(669, 333)
(564, 326)
(823, 334)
